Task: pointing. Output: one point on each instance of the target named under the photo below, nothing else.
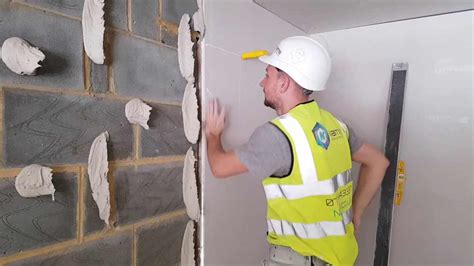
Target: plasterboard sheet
(233, 27)
(437, 76)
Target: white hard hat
(305, 60)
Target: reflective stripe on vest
(305, 160)
(318, 188)
(310, 231)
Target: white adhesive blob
(20, 57)
(138, 112)
(189, 106)
(93, 29)
(35, 180)
(97, 170)
(190, 193)
(198, 22)
(185, 49)
(187, 247)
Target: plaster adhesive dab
(185, 49)
(93, 29)
(35, 180)
(20, 57)
(198, 22)
(187, 246)
(138, 112)
(189, 107)
(190, 193)
(97, 170)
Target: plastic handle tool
(254, 54)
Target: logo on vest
(335, 133)
(322, 136)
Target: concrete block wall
(52, 119)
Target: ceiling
(315, 16)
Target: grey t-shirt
(268, 151)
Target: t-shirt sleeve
(354, 141)
(266, 153)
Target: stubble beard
(267, 103)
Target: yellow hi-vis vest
(310, 209)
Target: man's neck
(290, 104)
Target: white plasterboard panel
(223, 197)
(238, 203)
(439, 52)
(246, 27)
(316, 16)
(438, 163)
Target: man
(306, 156)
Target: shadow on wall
(52, 65)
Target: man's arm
(223, 163)
(372, 170)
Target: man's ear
(283, 82)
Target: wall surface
(234, 221)
(434, 223)
(52, 119)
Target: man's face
(269, 85)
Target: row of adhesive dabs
(36, 180)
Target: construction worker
(305, 157)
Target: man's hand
(223, 163)
(215, 120)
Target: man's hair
(303, 90)
(307, 92)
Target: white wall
(439, 51)
(234, 220)
(434, 223)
